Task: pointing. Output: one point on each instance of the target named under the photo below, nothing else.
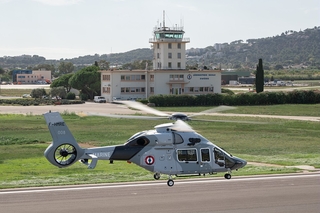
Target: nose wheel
(170, 182)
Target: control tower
(169, 47)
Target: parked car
(26, 96)
(99, 99)
(55, 98)
(115, 100)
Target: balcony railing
(153, 40)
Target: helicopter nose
(239, 163)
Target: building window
(179, 55)
(143, 77)
(179, 65)
(152, 89)
(169, 55)
(169, 45)
(169, 65)
(106, 77)
(179, 45)
(158, 55)
(151, 77)
(106, 89)
(143, 89)
(158, 45)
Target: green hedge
(35, 102)
(250, 98)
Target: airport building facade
(31, 76)
(169, 74)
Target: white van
(99, 99)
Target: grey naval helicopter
(174, 149)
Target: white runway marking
(177, 182)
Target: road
(107, 108)
(263, 194)
(72, 108)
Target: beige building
(33, 77)
(169, 74)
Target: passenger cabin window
(187, 155)
(205, 155)
(177, 139)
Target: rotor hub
(64, 152)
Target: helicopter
(173, 149)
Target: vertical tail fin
(64, 149)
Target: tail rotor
(65, 154)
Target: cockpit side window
(177, 139)
(140, 141)
(218, 154)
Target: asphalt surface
(115, 109)
(87, 107)
(289, 193)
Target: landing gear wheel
(156, 176)
(227, 176)
(65, 154)
(170, 182)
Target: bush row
(263, 98)
(29, 101)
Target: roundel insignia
(189, 76)
(149, 160)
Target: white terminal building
(169, 74)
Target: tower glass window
(169, 45)
(169, 55)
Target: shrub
(71, 96)
(83, 97)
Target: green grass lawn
(23, 140)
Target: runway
(278, 193)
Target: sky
(65, 29)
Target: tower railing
(153, 40)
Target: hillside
(289, 48)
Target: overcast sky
(70, 28)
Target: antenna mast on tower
(164, 21)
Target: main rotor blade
(142, 107)
(126, 116)
(182, 126)
(214, 110)
(230, 121)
